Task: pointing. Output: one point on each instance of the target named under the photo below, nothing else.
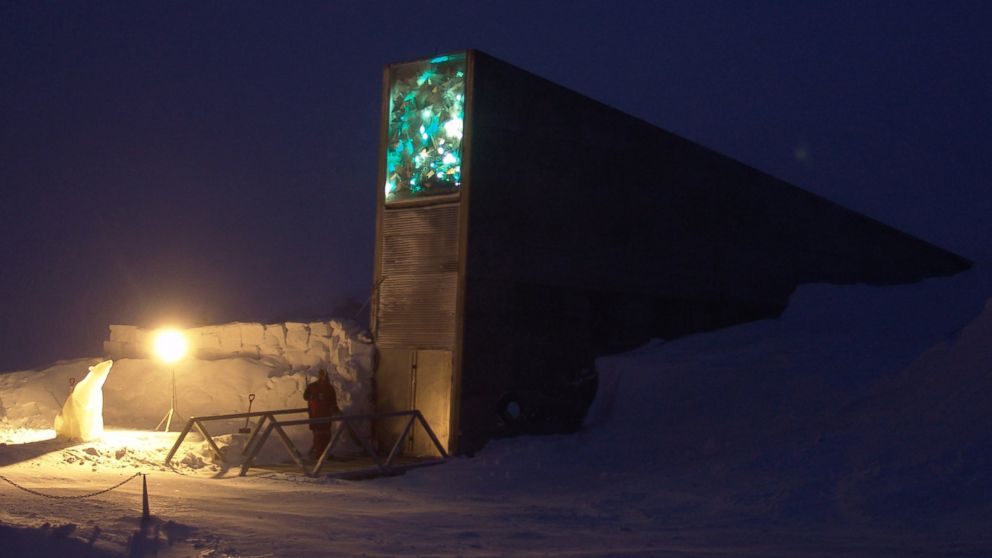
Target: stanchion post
(145, 516)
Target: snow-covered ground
(858, 424)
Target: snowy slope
(921, 447)
(858, 405)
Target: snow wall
(296, 344)
(273, 361)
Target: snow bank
(138, 393)
(273, 361)
(931, 424)
(31, 398)
(337, 343)
(859, 403)
(739, 387)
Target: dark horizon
(203, 164)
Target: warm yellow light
(170, 345)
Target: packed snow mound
(859, 403)
(81, 418)
(139, 392)
(335, 343)
(741, 388)
(932, 423)
(32, 398)
(944, 391)
(218, 383)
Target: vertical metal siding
(419, 266)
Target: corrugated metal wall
(419, 277)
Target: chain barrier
(78, 497)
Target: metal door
(432, 396)
(393, 386)
(414, 379)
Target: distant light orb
(170, 345)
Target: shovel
(245, 429)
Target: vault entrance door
(414, 379)
(393, 383)
(432, 396)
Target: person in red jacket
(322, 401)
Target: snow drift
(138, 394)
(858, 404)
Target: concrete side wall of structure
(591, 231)
(616, 203)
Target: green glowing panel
(424, 141)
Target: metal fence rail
(269, 424)
(198, 423)
(383, 466)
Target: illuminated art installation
(81, 417)
(424, 143)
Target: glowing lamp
(170, 345)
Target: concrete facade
(583, 231)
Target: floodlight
(170, 345)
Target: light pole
(170, 346)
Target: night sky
(206, 162)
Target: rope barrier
(80, 496)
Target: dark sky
(207, 162)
